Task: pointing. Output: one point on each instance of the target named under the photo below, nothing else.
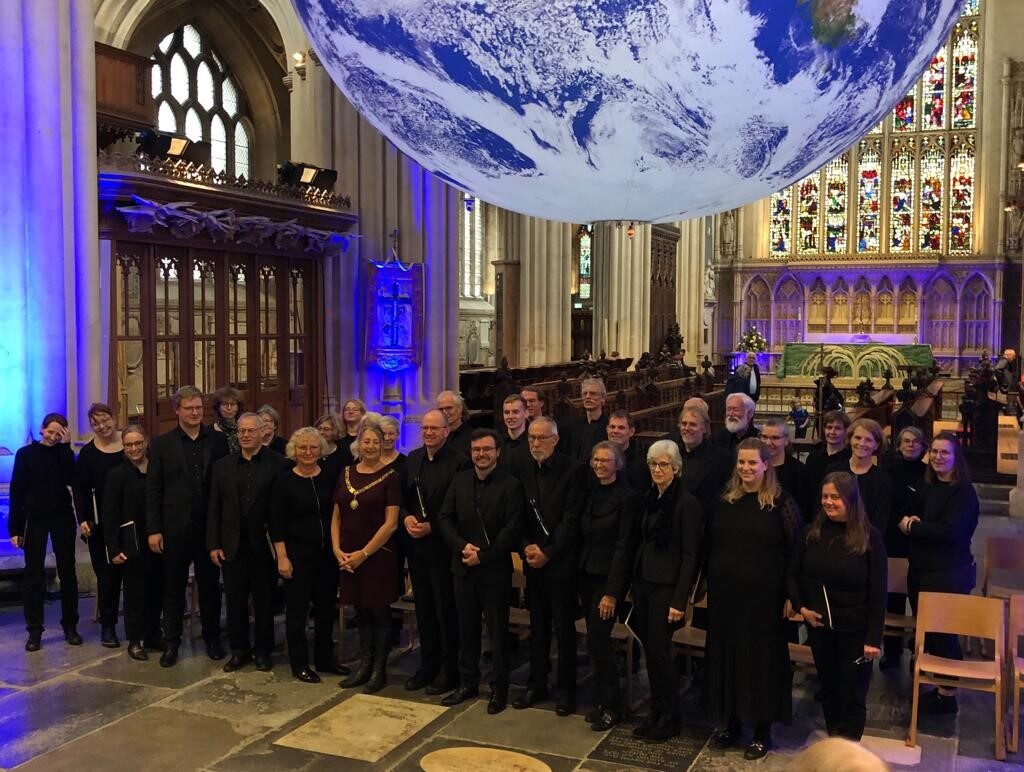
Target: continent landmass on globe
(834, 21)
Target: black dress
(748, 672)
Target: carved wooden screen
(209, 319)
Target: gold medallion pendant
(354, 504)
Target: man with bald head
(428, 471)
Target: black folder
(128, 539)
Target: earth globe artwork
(641, 110)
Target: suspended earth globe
(648, 110)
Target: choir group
(727, 532)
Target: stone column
(50, 296)
(506, 285)
(690, 297)
(545, 296)
(622, 289)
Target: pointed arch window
(471, 247)
(197, 96)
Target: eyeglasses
(134, 445)
(660, 465)
(249, 431)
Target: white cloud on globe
(647, 110)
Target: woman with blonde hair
(750, 538)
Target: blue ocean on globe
(646, 110)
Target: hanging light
(631, 231)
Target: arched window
(471, 247)
(196, 96)
(913, 175)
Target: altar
(850, 360)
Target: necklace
(354, 503)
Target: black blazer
(124, 500)
(560, 510)
(169, 494)
(435, 478)
(608, 531)
(500, 512)
(224, 521)
(671, 529)
(728, 441)
(706, 470)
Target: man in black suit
(480, 521)
(554, 487)
(236, 536)
(514, 446)
(452, 404)
(739, 423)
(177, 496)
(426, 477)
(621, 429)
(584, 433)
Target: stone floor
(94, 708)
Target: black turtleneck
(39, 485)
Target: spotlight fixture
(158, 144)
(292, 174)
(469, 201)
(300, 63)
(631, 231)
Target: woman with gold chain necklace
(362, 534)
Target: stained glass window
(869, 189)
(908, 186)
(961, 198)
(782, 221)
(901, 225)
(965, 74)
(585, 268)
(196, 96)
(933, 174)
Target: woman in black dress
(124, 530)
(865, 440)
(940, 548)
(363, 524)
(97, 459)
(270, 424)
(789, 471)
(227, 405)
(300, 521)
(607, 543)
(751, 536)
(906, 466)
(670, 533)
(339, 453)
(837, 581)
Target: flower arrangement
(752, 340)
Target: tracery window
(584, 269)
(471, 247)
(912, 176)
(195, 95)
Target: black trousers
(143, 594)
(956, 580)
(436, 618)
(552, 602)
(314, 582)
(599, 642)
(108, 577)
(250, 574)
(650, 621)
(844, 685)
(179, 551)
(61, 533)
(486, 596)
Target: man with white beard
(739, 422)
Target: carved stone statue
(727, 233)
(709, 282)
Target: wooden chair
(1003, 572)
(691, 641)
(940, 612)
(902, 625)
(1017, 675)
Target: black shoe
(236, 662)
(441, 686)
(137, 651)
(937, 704)
(646, 725)
(72, 637)
(498, 702)
(361, 676)
(605, 721)
(757, 749)
(34, 642)
(170, 655)
(214, 650)
(263, 663)
(306, 676)
(529, 698)
(725, 738)
(333, 668)
(108, 637)
(460, 695)
(566, 706)
(418, 680)
(667, 726)
(592, 715)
